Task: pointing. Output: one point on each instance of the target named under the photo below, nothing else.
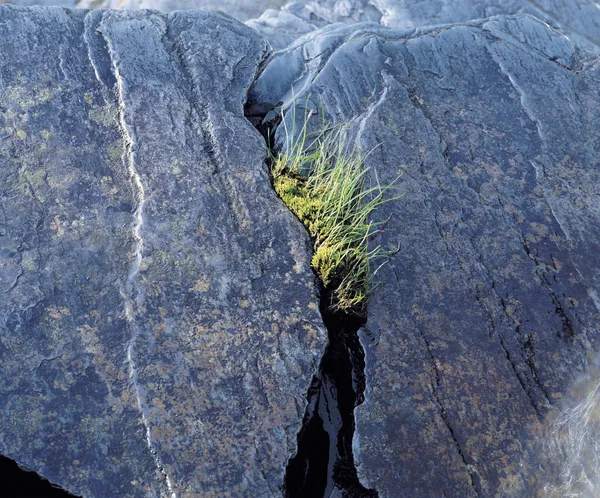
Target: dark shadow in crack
(19, 483)
(324, 460)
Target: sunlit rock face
(579, 20)
(282, 22)
(570, 443)
(488, 307)
(239, 9)
(158, 320)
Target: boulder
(579, 20)
(158, 326)
(241, 10)
(489, 307)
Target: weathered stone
(158, 326)
(489, 306)
(579, 19)
(281, 23)
(239, 9)
(29, 3)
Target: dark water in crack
(324, 460)
(19, 483)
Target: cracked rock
(580, 20)
(239, 9)
(158, 326)
(488, 309)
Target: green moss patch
(322, 181)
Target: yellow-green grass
(322, 180)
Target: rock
(159, 326)
(579, 20)
(281, 27)
(488, 308)
(28, 3)
(281, 23)
(241, 10)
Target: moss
(302, 202)
(324, 188)
(327, 264)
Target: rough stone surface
(281, 23)
(489, 306)
(158, 325)
(28, 3)
(580, 19)
(239, 9)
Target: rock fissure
(198, 112)
(474, 478)
(324, 460)
(494, 330)
(518, 376)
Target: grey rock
(158, 325)
(239, 9)
(29, 3)
(489, 307)
(580, 20)
(282, 26)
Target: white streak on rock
(135, 299)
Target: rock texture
(579, 19)
(489, 306)
(60, 3)
(158, 325)
(241, 10)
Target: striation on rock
(580, 20)
(281, 23)
(159, 326)
(488, 309)
(239, 9)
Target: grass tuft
(322, 180)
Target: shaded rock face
(158, 326)
(579, 19)
(489, 306)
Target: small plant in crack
(322, 179)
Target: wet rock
(488, 307)
(158, 325)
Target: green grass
(323, 181)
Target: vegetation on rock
(323, 181)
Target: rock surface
(489, 306)
(158, 325)
(241, 10)
(579, 19)
(281, 23)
